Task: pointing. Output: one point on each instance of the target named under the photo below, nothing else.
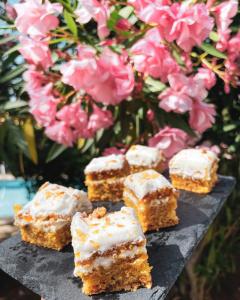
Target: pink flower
(179, 97)
(107, 79)
(99, 119)
(36, 18)
(176, 101)
(187, 61)
(224, 13)
(115, 80)
(61, 133)
(202, 116)
(35, 52)
(208, 77)
(81, 73)
(188, 24)
(113, 150)
(153, 11)
(169, 140)
(98, 10)
(150, 115)
(191, 26)
(43, 105)
(11, 12)
(44, 112)
(232, 62)
(123, 24)
(34, 80)
(152, 57)
(74, 116)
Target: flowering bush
(101, 75)
(132, 71)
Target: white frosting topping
(91, 235)
(107, 261)
(144, 156)
(193, 163)
(54, 199)
(105, 163)
(146, 182)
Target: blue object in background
(12, 192)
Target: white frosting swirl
(139, 155)
(105, 163)
(143, 183)
(91, 235)
(193, 163)
(53, 199)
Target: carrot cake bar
(194, 170)
(105, 176)
(153, 198)
(110, 251)
(45, 221)
(141, 158)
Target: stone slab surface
(50, 273)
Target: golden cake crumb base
(155, 216)
(107, 190)
(124, 274)
(53, 240)
(194, 185)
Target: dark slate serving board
(50, 273)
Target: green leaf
(15, 135)
(178, 58)
(15, 104)
(212, 51)
(11, 50)
(154, 85)
(55, 151)
(66, 5)
(116, 48)
(88, 144)
(7, 39)
(126, 11)
(177, 121)
(70, 23)
(56, 41)
(133, 19)
(229, 127)
(29, 135)
(3, 132)
(13, 73)
(114, 17)
(214, 36)
(7, 27)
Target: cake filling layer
(106, 261)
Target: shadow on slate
(50, 273)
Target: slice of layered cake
(45, 221)
(194, 170)
(105, 176)
(153, 198)
(141, 158)
(110, 251)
